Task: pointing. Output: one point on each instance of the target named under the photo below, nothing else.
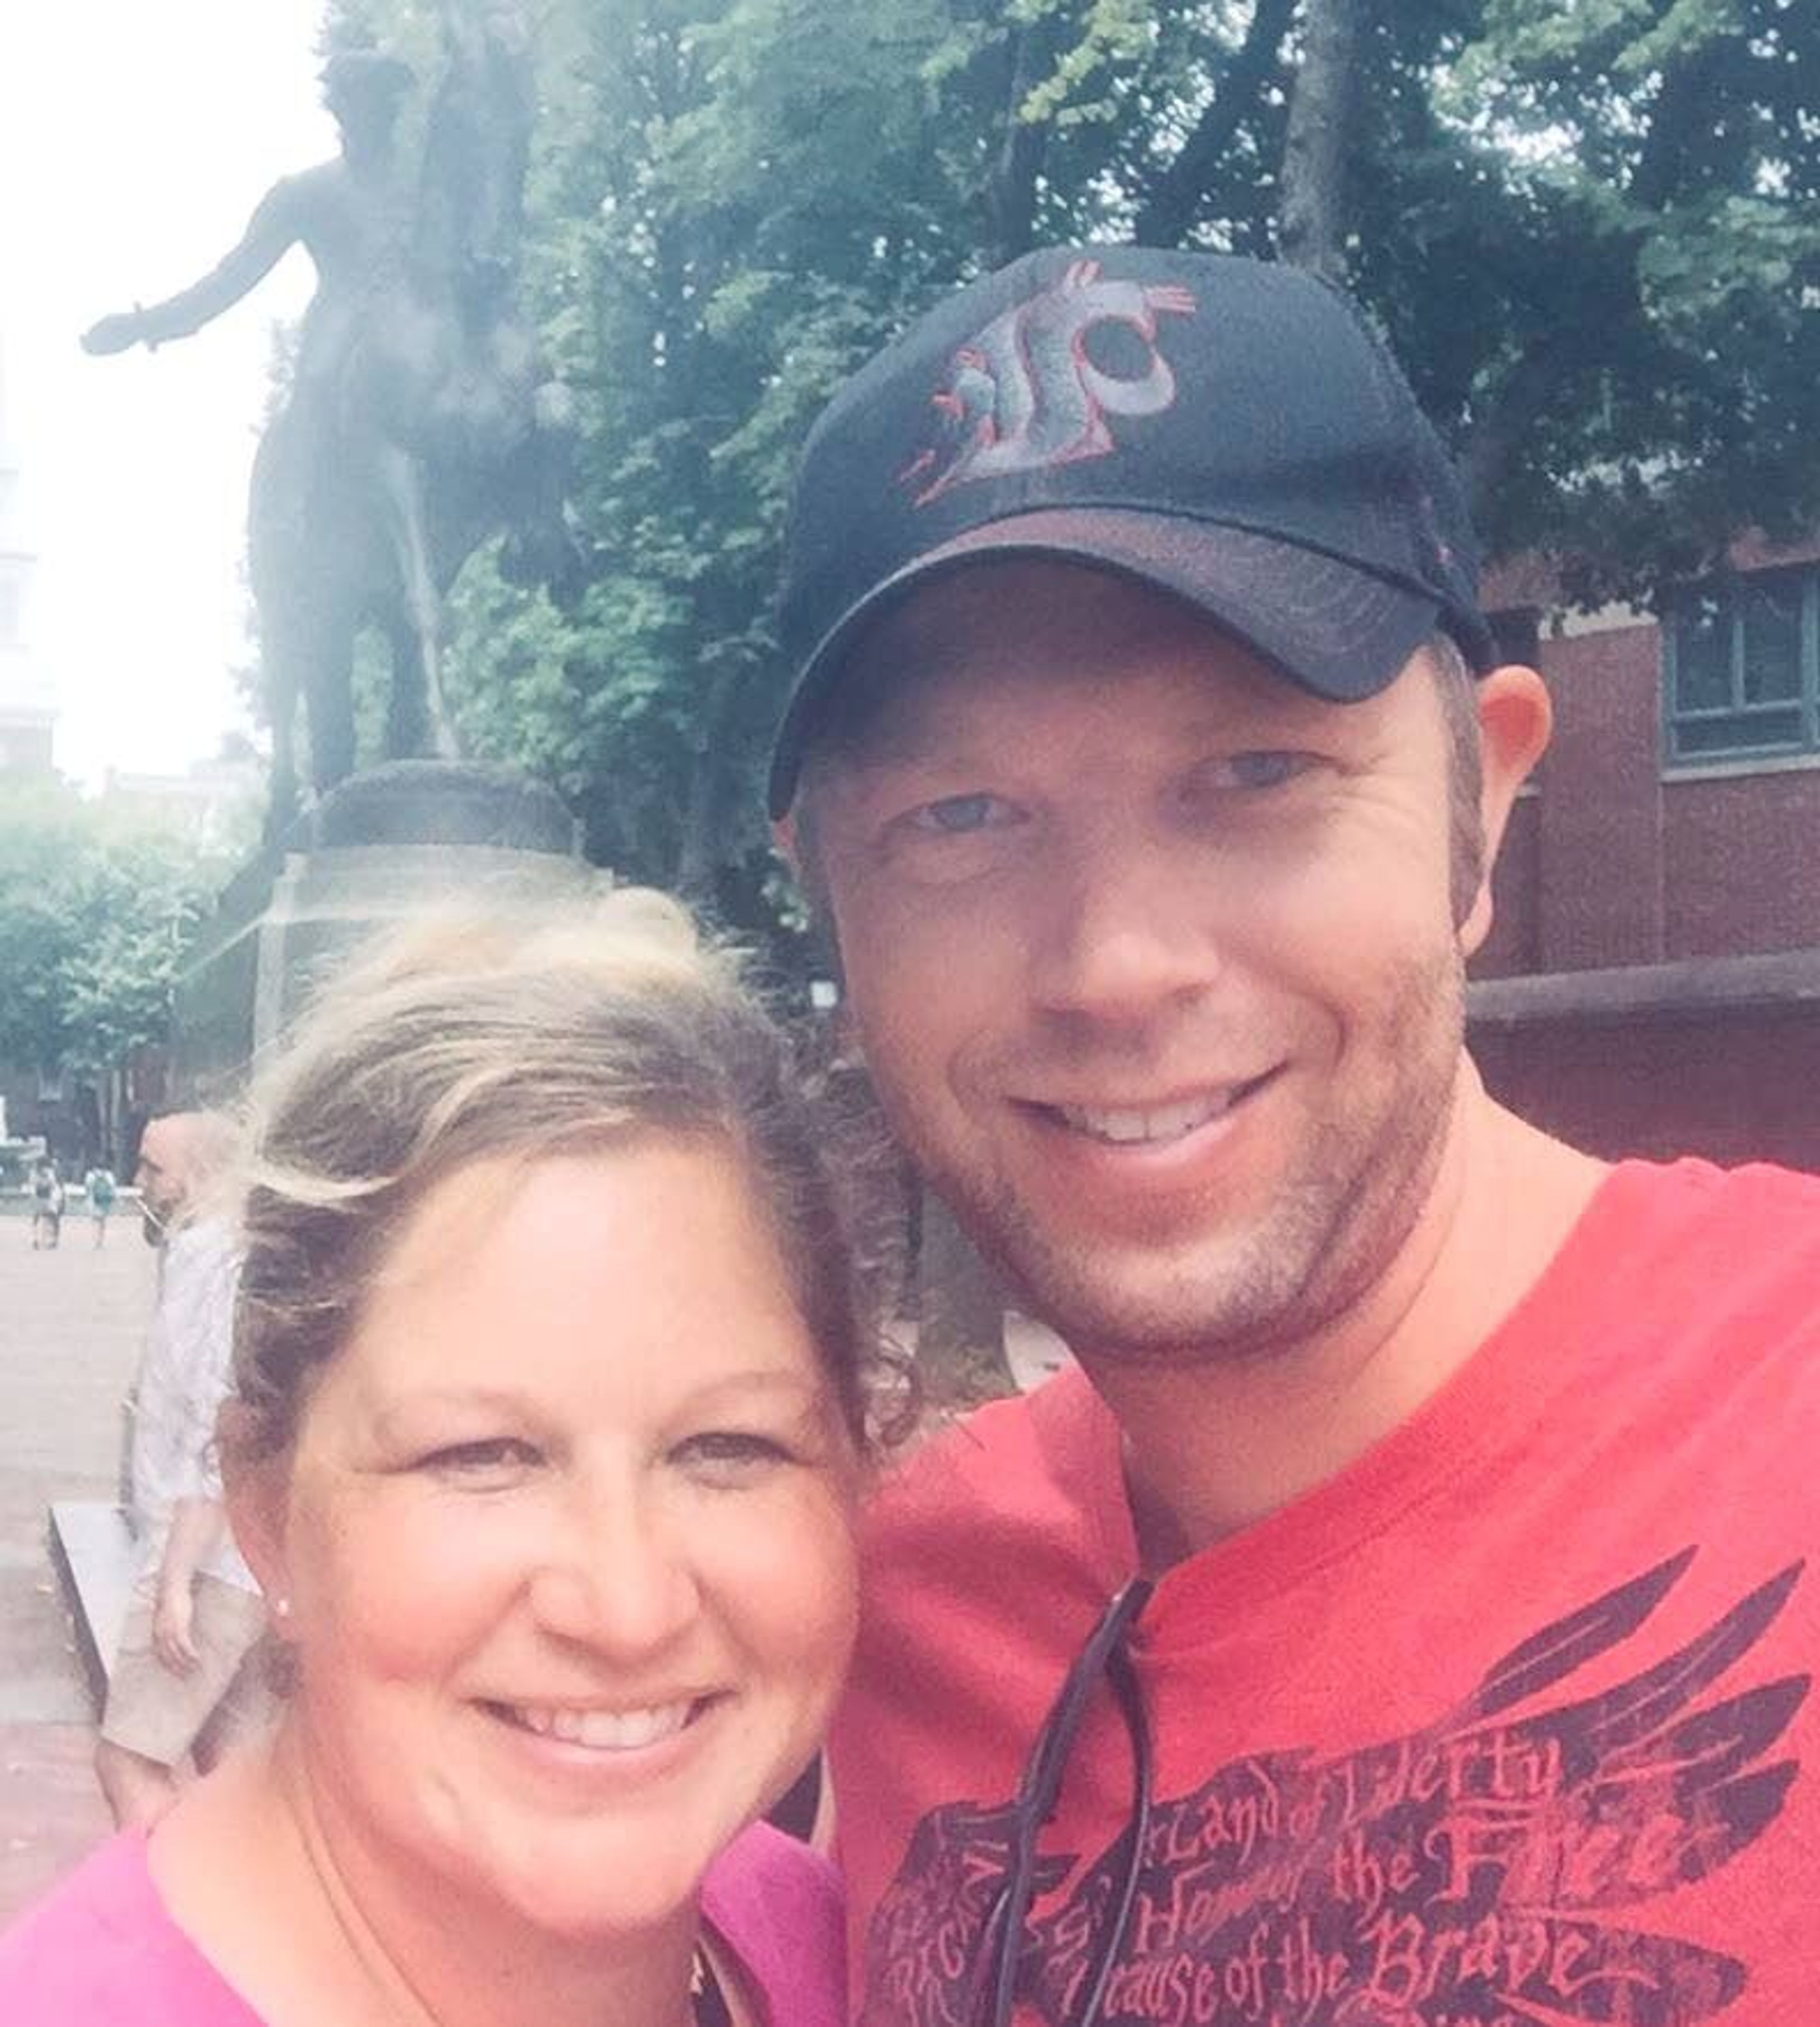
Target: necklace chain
(707, 2000)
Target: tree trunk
(1011, 201)
(696, 856)
(1312, 225)
(113, 1112)
(1172, 202)
(961, 1310)
(700, 850)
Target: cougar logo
(1025, 395)
(1491, 1869)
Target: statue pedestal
(384, 844)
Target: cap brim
(1338, 631)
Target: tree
(95, 914)
(1658, 276)
(41, 832)
(1318, 137)
(1592, 232)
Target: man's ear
(1515, 720)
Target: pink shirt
(101, 1952)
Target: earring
(281, 1608)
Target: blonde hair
(506, 1032)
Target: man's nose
(1127, 928)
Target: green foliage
(94, 915)
(1653, 263)
(1592, 231)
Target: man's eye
(959, 816)
(1246, 774)
(1265, 769)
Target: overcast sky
(136, 136)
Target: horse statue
(420, 419)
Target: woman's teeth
(606, 1731)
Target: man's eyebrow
(898, 730)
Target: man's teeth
(1162, 1122)
(606, 1731)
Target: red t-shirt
(1509, 1724)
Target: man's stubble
(1329, 1232)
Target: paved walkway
(70, 1326)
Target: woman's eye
(489, 1456)
(733, 1453)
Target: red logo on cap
(1024, 395)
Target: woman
(46, 1206)
(549, 1407)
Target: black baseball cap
(1230, 430)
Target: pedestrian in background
(99, 1188)
(181, 1687)
(46, 1206)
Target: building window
(1742, 658)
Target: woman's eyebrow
(398, 1407)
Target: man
(328, 489)
(98, 1190)
(1149, 756)
(352, 215)
(179, 1685)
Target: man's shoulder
(1686, 1258)
(301, 183)
(973, 1448)
(202, 1245)
(1759, 1209)
(1032, 1461)
(294, 200)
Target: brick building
(1653, 982)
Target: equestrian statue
(420, 419)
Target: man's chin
(1152, 1305)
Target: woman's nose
(619, 1578)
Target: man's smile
(1154, 1123)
